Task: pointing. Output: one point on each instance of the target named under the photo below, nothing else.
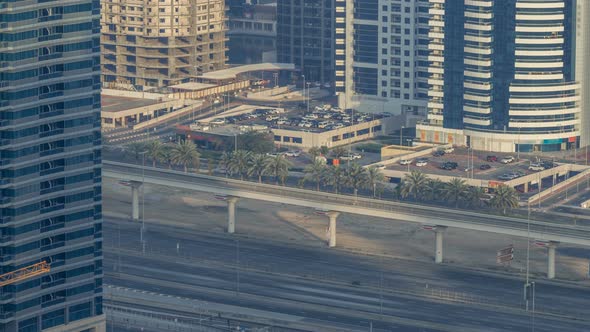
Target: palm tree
(314, 152)
(339, 151)
(433, 189)
(225, 162)
(356, 177)
(315, 172)
(455, 190)
(374, 177)
(257, 166)
(136, 148)
(335, 176)
(505, 197)
(239, 163)
(155, 151)
(475, 196)
(278, 167)
(414, 185)
(185, 153)
(167, 154)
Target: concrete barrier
(559, 186)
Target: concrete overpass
(434, 218)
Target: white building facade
(381, 60)
(508, 75)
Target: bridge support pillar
(135, 200)
(231, 214)
(439, 232)
(551, 260)
(333, 215)
(526, 187)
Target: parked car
(548, 164)
(438, 153)
(293, 153)
(536, 167)
(484, 167)
(380, 166)
(273, 154)
(217, 121)
(505, 177)
(449, 165)
(405, 161)
(507, 160)
(449, 150)
(421, 162)
(491, 159)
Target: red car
(491, 159)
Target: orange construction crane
(24, 273)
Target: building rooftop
(118, 104)
(232, 73)
(192, 86)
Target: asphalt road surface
(333, 287)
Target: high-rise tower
(50, 159)
(382, 55)
(155, 43)
(507, 75)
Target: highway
(543, 230)
(328, 289)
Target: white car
(449, 150)
(421, 163)
(218, 121)
(507, 160)
(405, 161)
(536, 167)
(294, 153)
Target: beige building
(156, 43)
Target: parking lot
(463, 158)
(319, 119)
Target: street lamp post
(303, 76)
(142, 230)
(518, 146)
(308, 85)
(401, 135)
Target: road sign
(505, 255)
(505, 251)
(321, 212)
(542, 243)
(221, 197)
(504, 259)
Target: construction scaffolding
(24, 273)
(157, 43)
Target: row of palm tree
(416, 186)
(420, 187)
(184, 153)
(355, 177)
(246, 164)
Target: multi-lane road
(324, 290)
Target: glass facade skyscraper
(50, 165)
(504, 75)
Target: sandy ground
(279, 222)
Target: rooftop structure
(149, 43)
